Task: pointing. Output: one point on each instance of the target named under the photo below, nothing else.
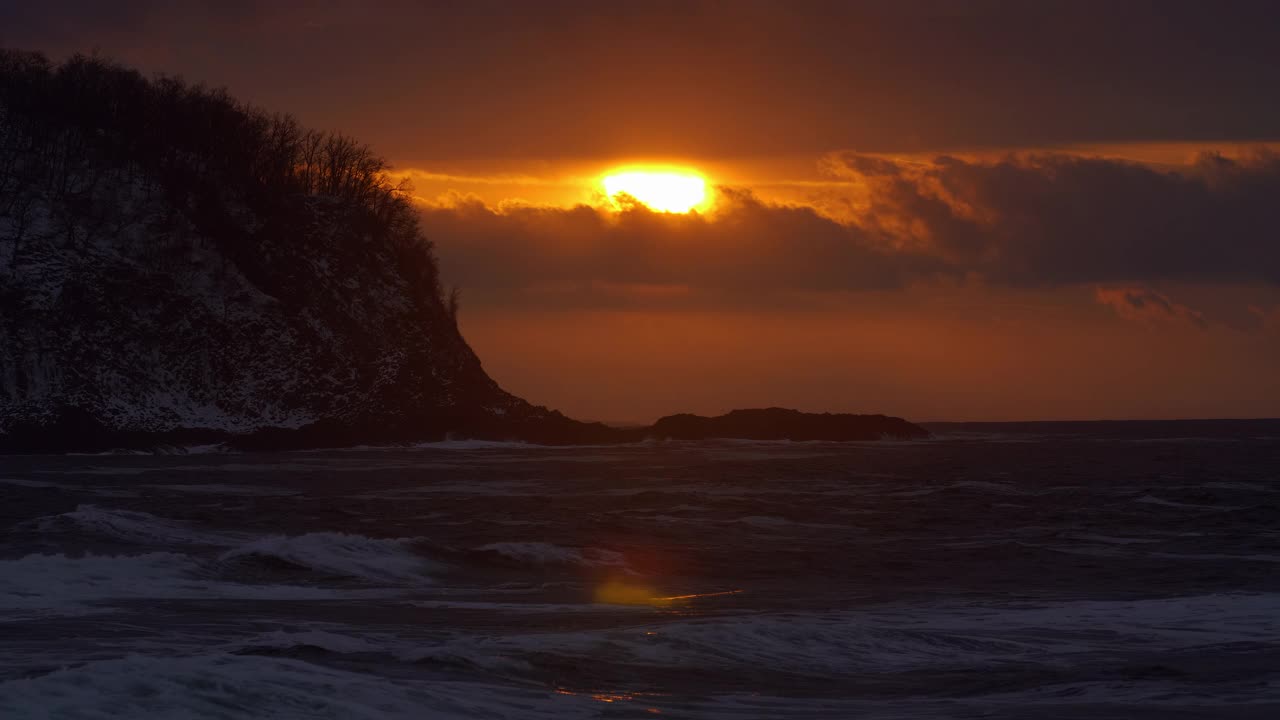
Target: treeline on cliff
(70, 132)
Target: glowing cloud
(663, 190)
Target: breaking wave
(129, 526)
(55, 584)
(378, 560)
(541, 553)
(40, 585)
(223, 686)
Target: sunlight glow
(671, 190)
(622, 593)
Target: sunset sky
(941, 210)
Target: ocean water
(1012, 571)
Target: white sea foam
(323, 639)
(55, 584)
(231, 686)
(380, 560)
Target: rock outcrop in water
(783, 424)
(176, 268)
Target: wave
(130, 526)
(378, 560)
(471, 445)
(28, 483)
(1111, 539)
(998, 437)
(818, 644)
(225, 685)
(316, 639)
(108, 453)
(529, 608)
(58, 584)
(41, 585)
(1245, 486)
(206, 449)
(499, 488)
(223, 489)
(437, 445)
(541, 553)
(770, 522)
(1149, 499)
(475, 445)
(977, 486)
(894, 638)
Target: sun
(673, 190)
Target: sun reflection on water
(613, 697)
(623, 593)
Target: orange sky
(945, 210)
(798, 178)
(983, 358)
(601, 347)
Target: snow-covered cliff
(176, 265)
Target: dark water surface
(1099, 571)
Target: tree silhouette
(211, 160)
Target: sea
(1018, 570)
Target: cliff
(177, 267)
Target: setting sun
(676, 191)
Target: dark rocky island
(783, 424)
(179, 268)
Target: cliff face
(173, 264)
(193, 339)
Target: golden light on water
(674, 190)
(621, 593)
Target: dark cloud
(433, 82)
(1146, 305)
(1266, 318)
(746, 253)
(1062, 219)
(1023, 222)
